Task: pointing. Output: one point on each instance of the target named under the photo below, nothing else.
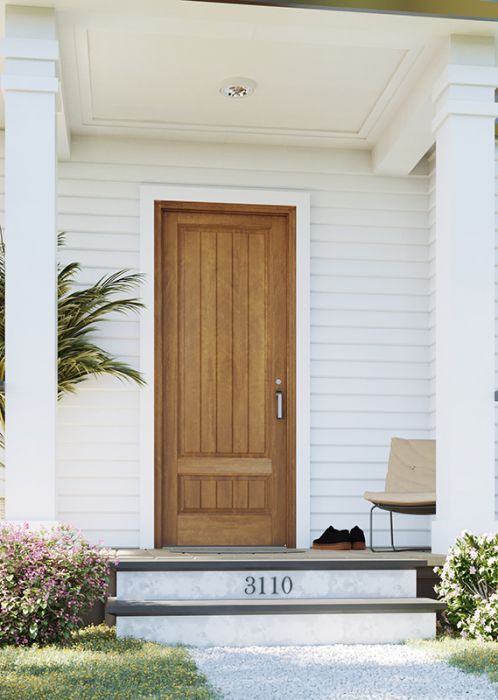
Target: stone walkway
(381, 672)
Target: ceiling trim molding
(360, 138)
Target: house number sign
(268, 585)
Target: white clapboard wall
(372, 320)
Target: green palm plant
(80, 313)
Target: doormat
(232, 550)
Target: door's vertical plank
(208, 494)
(257, 494)
(208, 341)
(257, 343)
(191, 494)
(240, 343)
(190, 334)
(224, 494)
(224, 340)
(241, 493)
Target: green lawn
(468, 655)
(97, 666)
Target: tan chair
(410, 483)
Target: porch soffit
(328, 79)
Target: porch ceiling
(153, 69)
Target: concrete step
(276, 622)
(275, 579)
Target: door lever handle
(280, 404)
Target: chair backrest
(412, 466)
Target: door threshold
(224, 549)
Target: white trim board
(301, 201)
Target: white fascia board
(63, 132)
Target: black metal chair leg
(392, 530)
(393, 548)
(371, 528)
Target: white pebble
(359, 672)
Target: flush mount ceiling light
(237, 88)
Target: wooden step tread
(129, 608)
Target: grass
(468, 655)
(97, 666)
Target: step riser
(265, 585)
(280, 630)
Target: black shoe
(333, 539)
(357, 538)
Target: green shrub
(469, 586)
(48, 578)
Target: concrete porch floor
(430, 559)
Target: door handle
(280, 404)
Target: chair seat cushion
(400, 499)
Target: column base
(445, 532)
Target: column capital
(32, 62)
(465, 76)
(27, 48)
(464, 108)
(466, 85)
(463, 90)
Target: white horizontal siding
(98, 432)
(370, 316)
(371, 341)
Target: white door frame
(301, 201)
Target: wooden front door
(225, 366)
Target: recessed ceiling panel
(161, 79)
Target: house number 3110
(262, 585)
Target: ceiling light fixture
(237, 88)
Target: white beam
(31, 87)
(409, 135)
(465, 290)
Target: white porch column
(30, 88)
(465, 112)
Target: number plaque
(268, 585)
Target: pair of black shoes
(340, 539)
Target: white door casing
(301, 201)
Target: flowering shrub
(469, 586)
(47, 579)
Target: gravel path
(381, 672)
